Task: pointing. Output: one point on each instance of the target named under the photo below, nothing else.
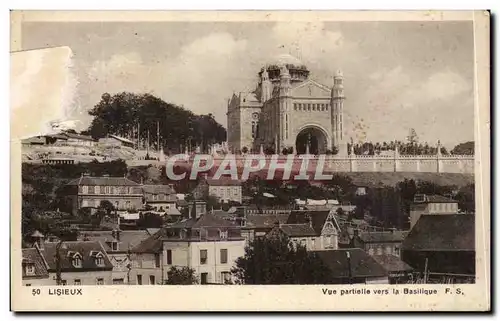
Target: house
(353, 266)
(316, 230)
(79, 140)
(444, 244)
(89, 192)
(224, 189)
(380, 242)
(37, 140)
(399, 271)
(80, 262)
(34, 268)
(205, 243)
(258, 225)
(431, 204)
(116, 141)
(118, 245)
(160, 197)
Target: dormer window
(114, 246)
(76, 259)
(30, 269)
(98, 258)
(99, 261)
(223, 234)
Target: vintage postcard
(250, 161)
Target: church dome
(296, 68)
(286, 59)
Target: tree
(122, 113)
(181, 276)
(106, 206)
(466, 148)
(466, 198)
(274, 259)
(64, 234)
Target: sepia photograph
(342, 153)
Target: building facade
(431, 204)
(288, 110)
(118, 245)
(160, 197)
(315, 230)
(206, 244)
(225, 190)
(379, 243)
(81, 263)
(89, 192)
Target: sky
(398, 75)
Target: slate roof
(33, 256)
(86, 250)
(298, 230)
(152, 244)
(318, 219)
(445, 232)
(128, 238)
(383, 237)
(207, 221)
(392, 263)
(362, 264)
(103, 180)
(158, 189)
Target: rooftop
(204, 228)
(158, 189)
(33, 256)
(128, 239)
(87, 249)
(102, 181)
(383, 237)
(298, 230)
(392, 263)
(422, 198)
(362, 264)
(446, 232)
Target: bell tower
(337, 109)
(285, 102)
(266, 86)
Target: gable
(311, 89)
(332, 219)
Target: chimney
(309, 219)
(38, 239)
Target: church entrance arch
(311, 139)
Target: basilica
(288, 111)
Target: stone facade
(89, 192)
(287, 109)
